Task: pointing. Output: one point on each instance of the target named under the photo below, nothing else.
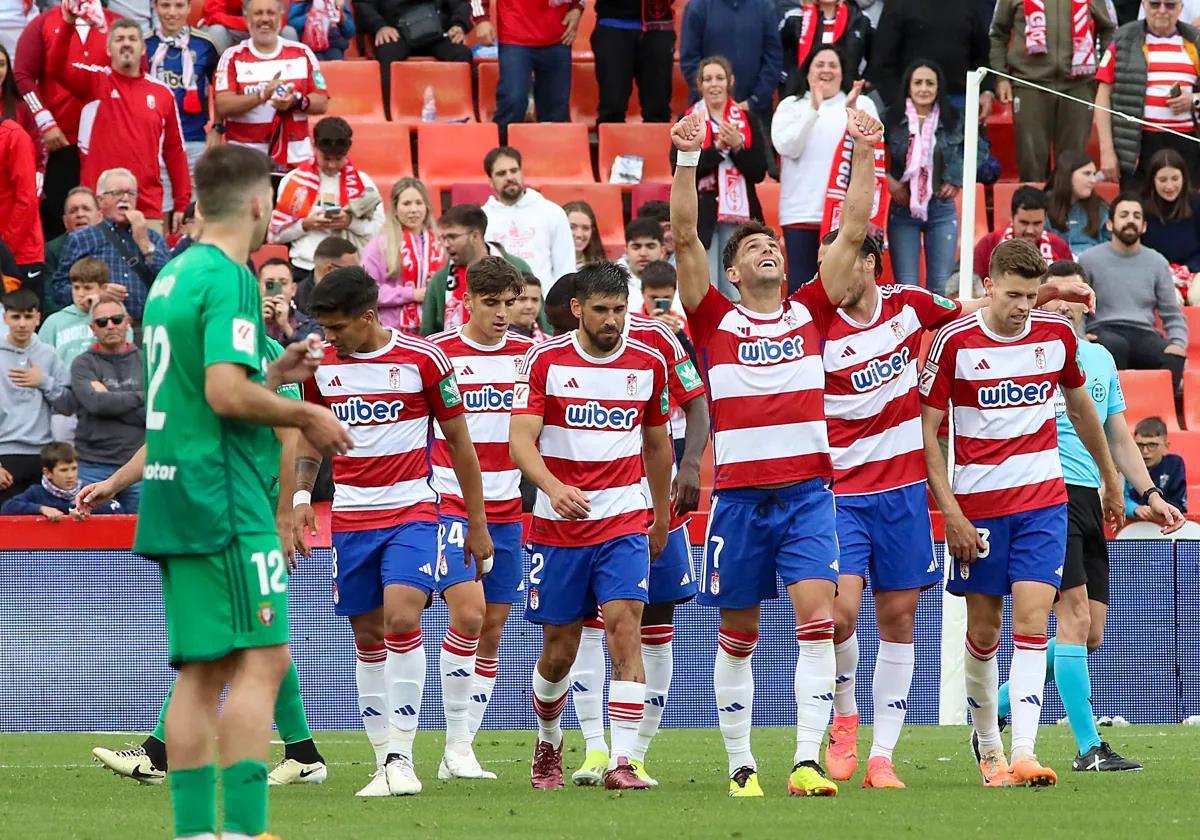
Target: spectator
(643, 245)
(660, 300)
(107, 382)
(1143, 66)
(634, 39)
(15, 15)
(136, 116)
(123, 240)
(328, 196)
(585, 233)
(825, 23)
(464, 229)
(69, 330)
(527, 311)
(266, 89)
(1189, 11)
(744, 31)
(333, 252)
(13, 107)
(190, 226)
(1060, 54)
(326, 26)
(80, 210)
(807, 132)
(285, 322)
(1028, 208)
(1134, 284)
(55, 495)
(1172, 211)
(184, 59)
(403, 258)
(1075, 212)
(1167, 470)
(225, 22)
(19, 226)
(660, 211)
(55, 109)
(535, 39)
(529, 225)
(732, 161)
(33, 380)
(140, 12)
(402, 29)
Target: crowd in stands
(106, 106)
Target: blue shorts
(364, 562)
(756, 535)
(888, 535)
(672, 578)
(1021, 546)
(566, 584)
(503, 583)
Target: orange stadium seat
(1187, 446)
(605, 201)
(355, 91)
(553, 153)
(768, 197)
(384, 152)
(1002, 194)
(1148, 394)
(451, 83)
(1191, 399)
(451, 152)
(652, 141)
(1107, 190)
(1193, 320)
(981, 219)
(470, 194)
(195, 12)
(641, 193)
(585, 92)
(489, 79)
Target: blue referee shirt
(1104, 386)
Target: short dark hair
(644, 228)
(1124, 196)
(493, 276)
(276, 261)
(562, 291)
(659, 274)
(89, 270)
(224, 175)
(22, 300)
(469, 216)
(656, 209)
(601, 279)
(1151, 427)
(869, 248)
(1016, 256)
(349, 290)
(333, 135)
(489, 160)
(531, 279)
(743, 232)
(333, 248)
(1066, 268)
(1028, 198)
(57, 452)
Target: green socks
(194, 800)
(245, 790)
(289, 710)
(160, 729)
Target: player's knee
(845, 622)
(468, 621)
(1095, 638)
(399, 622)
(896, 627)
(555, 663)
(268, 664)
(983, 634)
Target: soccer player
(773, 511)
(672, 578)
(387, 387)
(1082, 605)
(589, 405)
(206, 515)
(485, 355)
(1006, 516)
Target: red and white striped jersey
(485, 376)
(243, 69)
(767, 387)
(1002, 390)
(871, 401)
(1168, 62)
(593, 410)
(386, 398)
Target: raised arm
(691, 261)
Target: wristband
(301, 102)
(687, 159)
(301, 497)
(1150, 491)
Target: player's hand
(862, 127)
(657, 534)
(1175, 350)
(294, 365)
(303, 517)
(6, 479)
(963, 540)
(688, 134)
(852, 96)
(92, 496)
(1073, 291)
(78, 515)
(53, 514)
(485, 33)
(685, 490)
(569, 502)
(1165, 514)
(287, 543)
(570, 23)
(325, 432)
(55, 139)
(477, 547)
(26, 377)
(1112, 499)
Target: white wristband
(687, 159)
(301, 497)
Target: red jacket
(527, 23)
(227, 13)
(128, 122)
(53, 105)
(19, 226)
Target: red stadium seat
(354, 90)
(585, 92)
(384, 152)
(470, 194)
(489, 79)
(1107, 190)
(768, 197)
(605, 201)
(448, 153)
(1004, 145)
(1002, 203)
(1191, 400)
(451, 84)
(1192, 313)
(641, 193)
(1148, 393)
(652, 141)
(1187, 446)
(195, 12)
(981, 219)
(553, 153)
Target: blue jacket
(947, 147)
(744, 31)
(1170, 475)
(31, 501)
(204, 64)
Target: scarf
(300, 193)
(918, 165)
(811, 24)
(1044, 247)
(733, 195)
(59, 493)
(1083, 36)
(90, 11)
(839, 181)
(456, 289)
(191, 95)
(321, 17)
(421, 255)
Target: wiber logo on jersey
(488, 398)
(357, 411)
(769, 351)
(592, 415)
(1006, 393)
(878, 371)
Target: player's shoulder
(1094, 353)
(1049, 323)
(546, 351)
(956, 331)
(421, 348)
(644, 352)
(518, 343)
(446, 339)
(297, 49)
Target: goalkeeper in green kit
(207, 516)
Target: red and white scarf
(1044, 246)
(733, 195)
(918, 165)
(839, 182)
(322, 15)
(421, 256)
(811, 25)
(1083, 34)
(303, 188)
(456, 290)
(90, 11)
(181, 41)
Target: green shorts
(223, 602)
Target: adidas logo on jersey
(1006, 394)
(466, 371)
(488, 398)
(427, 569)
(479, 698)
(592, 415)
(848, 352)
(644, 584)
(826, 696)
(357, 411)
(932, 566)
(685, 580)
(336, 382)
(983, 365)
(878, 371)
(841, 678)
(571, 383)
(973, 703)
(769, 351)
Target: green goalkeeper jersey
(207, 479)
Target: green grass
(50, 788)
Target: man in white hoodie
(527, 224)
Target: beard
(1128, 235)
(604, 341)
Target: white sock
(889, 692)
(372, 697)
(458, 672)
(983, 689)
(659, 662)
(626, 700)
(816, 669)
(405, 677)
(846, 656)
(1026, 682)
(587, 688)
(481, 692)
(549, 698)
(733, 683)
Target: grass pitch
(50, 788)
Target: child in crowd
(69, 331)
(54, 498)
(1167, 471)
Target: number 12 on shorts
(272, 571)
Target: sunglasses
(1169, 5)
(116, 320)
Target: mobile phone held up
(662, 305)
(274, 287)
(333, 212)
